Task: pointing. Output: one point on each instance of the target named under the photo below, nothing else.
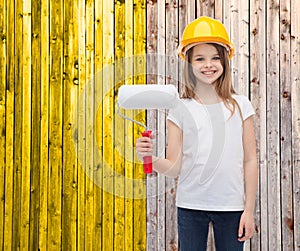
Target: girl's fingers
(144, 147)
(143, 139)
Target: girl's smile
(206, 64)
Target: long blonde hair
(223, 85)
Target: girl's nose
(207, 63)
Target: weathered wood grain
(3, 39)
(129, 150)
(66, 156)
(119, 71)
(17, 130)
(89, 122)
(161, 79)
(171, 77)
(35, 125)
(152, 78)
(286, 173)
(273, 126)
(108, 105)
(55, 124)
(295, 94)
(258, 99)
(8, 181)
(98, 140)
(70, 101)
(139, 70)
(44, 120)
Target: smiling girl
(211, 145)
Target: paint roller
(151, 96)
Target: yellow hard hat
(206, 30)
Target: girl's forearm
(166, 167)
(251, 182)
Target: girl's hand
(246, 228)
(144, 147)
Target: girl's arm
(251, 179)
(169, 166)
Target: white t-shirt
(212, 176)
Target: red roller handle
(147, 159)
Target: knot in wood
(285, 94)
(254, 31)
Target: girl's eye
(216, 58)
(199, 59)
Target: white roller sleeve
(147, 96)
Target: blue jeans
(193, 230)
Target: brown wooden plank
(286, 127)
(152, 61)
(240, 61)
(171, 75)
(239, 36)
(258, 99)
(186, 15)
(272, 106)
(295, 94)
(218, 10)
(205, 8)
(161, 71)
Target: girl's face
(206, 64)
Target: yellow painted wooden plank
(9, 128)
(98, 144)
(129, 150)
(55, 125)
(119, 137)
(17, 148)
(35, 126)
(70, 168)
(81, 130)
(139, 66)
(108, 107)
(44, 153)
(3, 40)
(89, 117)
(26, 125)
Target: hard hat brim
(188, 44)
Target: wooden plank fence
(69, 177)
